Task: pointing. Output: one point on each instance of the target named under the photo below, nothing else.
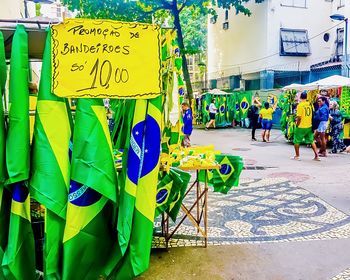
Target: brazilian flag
(164, 188)
(171, 190)
(19, 258)
(245, 100)
(136, 259)
(227, 176)
(221, 116)
(133, 167)
(90, 236)
(231, 107)
(5, 197)
(50, 165)
(206, 100)
(181, 180)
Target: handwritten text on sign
(104, 58)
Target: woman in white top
(212, 114)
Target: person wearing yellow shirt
(303, 131)
(266, 121)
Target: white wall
(257, 38)
(245, 39)
(315, 19)
(11, 9)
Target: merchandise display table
(197, 211)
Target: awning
(36, 34)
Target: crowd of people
(314, 122)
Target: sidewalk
(287, 220)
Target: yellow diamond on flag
(226, 169)
(244, 105)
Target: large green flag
(19, 257)
(227, 176)
(90, 236)
(5, 198)
(222, 107)
(206, 100)
(50, 165)
(133, 169)
(136, 259)
(245, 100)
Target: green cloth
(19, 258)
(50, 165)
(5, 196)
(171, 189)
(133, 164)
(227, 176)
(245, 100)
(137, 256)
(90, 236)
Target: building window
(294, 3)
(339, 43)
(341, 4)
(294, 42)
(226, 15)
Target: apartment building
(283, 41)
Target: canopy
(330, 82)
(294, 86)
(217, 91)
(326, 83)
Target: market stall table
(200, 204)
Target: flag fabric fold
(19, 258)
(90, 236)
(5, 198)
(133, 169)
(137, 256)
(49, 182)
(171, 190)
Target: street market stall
(97, 189)
(334, 87)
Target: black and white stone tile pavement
(266, 210)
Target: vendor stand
(334, 87)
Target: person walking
(337, 128)
(266, 121)
(253, 115)
(303, 131)
(187, 128)
(212, 114)
(322, 115)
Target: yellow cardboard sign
(105, 58)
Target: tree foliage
(187, 16)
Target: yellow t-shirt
(304, 112)
(266, 113)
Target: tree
(136, 10)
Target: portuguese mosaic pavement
(267, 210)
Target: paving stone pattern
(345, 275)
(266, 210)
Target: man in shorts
(303, 131)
